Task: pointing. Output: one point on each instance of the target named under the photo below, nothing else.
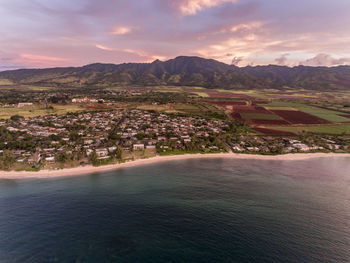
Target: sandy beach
(91, 169)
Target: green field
(326, 129)
(329, 115)
(260, 116)
(332, 116)
(199, 88)
(36, 110)
(283, 104)
(36, 88)
(5, 82)
(186, 107)
(201, 94)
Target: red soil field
(250, 109)
(272, 132)
(226, 102)
(268, 122)
(96, 106)
(256, 102)
(299, 117)
(236, 116)
(346, 116)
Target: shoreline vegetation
(89, 169)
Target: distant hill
(186, 71)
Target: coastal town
(113, 136)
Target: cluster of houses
(165, 132)
(269, 144)
(103, 132)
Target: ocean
(198, 210)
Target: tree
(93, 157)
(61, 158)
(16, 117)
(118, 153)
(74, 136)
(7, 159)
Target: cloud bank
(74, 33)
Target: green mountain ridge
(186, 71)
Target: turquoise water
(205, 210)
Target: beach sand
(91, 169)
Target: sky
(56, 33)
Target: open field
(36, 110)
(260, 116)
(263, 109)
(159, 108)
(329, 115)
(299, 117)
(332, 116)
(201, 94)
(36, 88)
(227, 102)
(5, 82)
(322, 129)
(272, 131)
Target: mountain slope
(186, 71)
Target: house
(50, 159)
(302, 147)
(102, 152)
(150, 147)
(24, 104)
(35, 158)
(112, 149)
(138, 147)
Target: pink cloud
(41, 60)
(325, 60)
(120, 30)
(282, 60)
(191, 7)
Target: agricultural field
(37, 110)
(260, 116)
(322, 129)
(299, 117)
(269, 112)
(273, 131)
(5, 82)
(201, 94)
(266, 111)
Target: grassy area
(36, 88)
(326, 129)
(152, 107)
(202, 110)
(274, 104)
(36, 110)
(201, 94)
(186, 107)
(328, 115)
(260, 116)
(195, 88)
(5, 82)
(279, 108)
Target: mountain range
(186, 71)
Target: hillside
(186, 71)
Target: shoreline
(89, 169)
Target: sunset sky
(49, 33)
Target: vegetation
(327, 129)
(185, 71)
